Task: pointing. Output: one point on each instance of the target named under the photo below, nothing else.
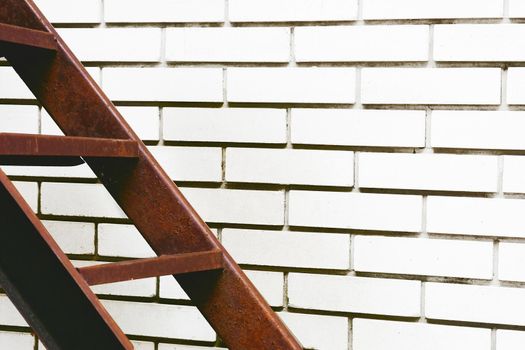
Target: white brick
(354, 294)
(190, 163)
(29, 191)
(417, 256)
(78, 171)
(185, 347)
(516, 85)
(66, 11)
(16, 341)
(478, 42)
(145, 287)
(291, 85)
(228, 44)
(478, 129)
(415, 9)
(269, 284)
(78, 200)
(431, 86)
(112, 236)
(318, 332)
(292, 10)
(290, 166)
(482, 304)
(156, 320)
(355, 211)
(446, 172)
(344, 127)
(513, 174)
(352, 43)
(144, 121)
(289, 249)
(13, 87)
(73, 237)
(237, 206)
(476, 216)
(113, 44)
(510, 262)
(19, 119)
(171, 289)
(164, 84)
(516, 10)
(9, 315)
(509, 340)
(386, 335)
(249, 125)
(164, 11)
(142, 345)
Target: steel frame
(227, 299)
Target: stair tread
(31, 149)
(152, 267)
(20, 36)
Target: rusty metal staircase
(53, 296)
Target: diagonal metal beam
(228, 300)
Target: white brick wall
(362, 160)
(293, 85)
(340, 44)
(455, 86)
(228, 44)
(384, 335)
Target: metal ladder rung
(24, 37)
(29, 149)
(163, 265)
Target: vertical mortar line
(39, 108)
(357, 104)
(289, 128)
(227, 22)
(285, 291)
(355, 188)
(95, 253)
(350, 333)
(102, 14)
(505, 18)
(495, 262)
(428, 130)
(422, 317)
(424, 232)
(162, 58)
(360, 11)
(493, 339)
(35, 344)
(223, 168)
(160, 116)
(501, 168)
(431, 62)
(504, 106)
(292, 62)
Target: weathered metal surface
(151, 267)
(44, 285)
(227, 299)
(20, 36)
(27, 149)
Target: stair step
(29, 149)
(24, 37)
(163, 265)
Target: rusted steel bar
(20, 36)
(44, 285)
(228, 300)
(152, 267)
(27, 149)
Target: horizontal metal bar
(27, 149)
(26, 37)
(152, 267)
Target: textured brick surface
(362, 160)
